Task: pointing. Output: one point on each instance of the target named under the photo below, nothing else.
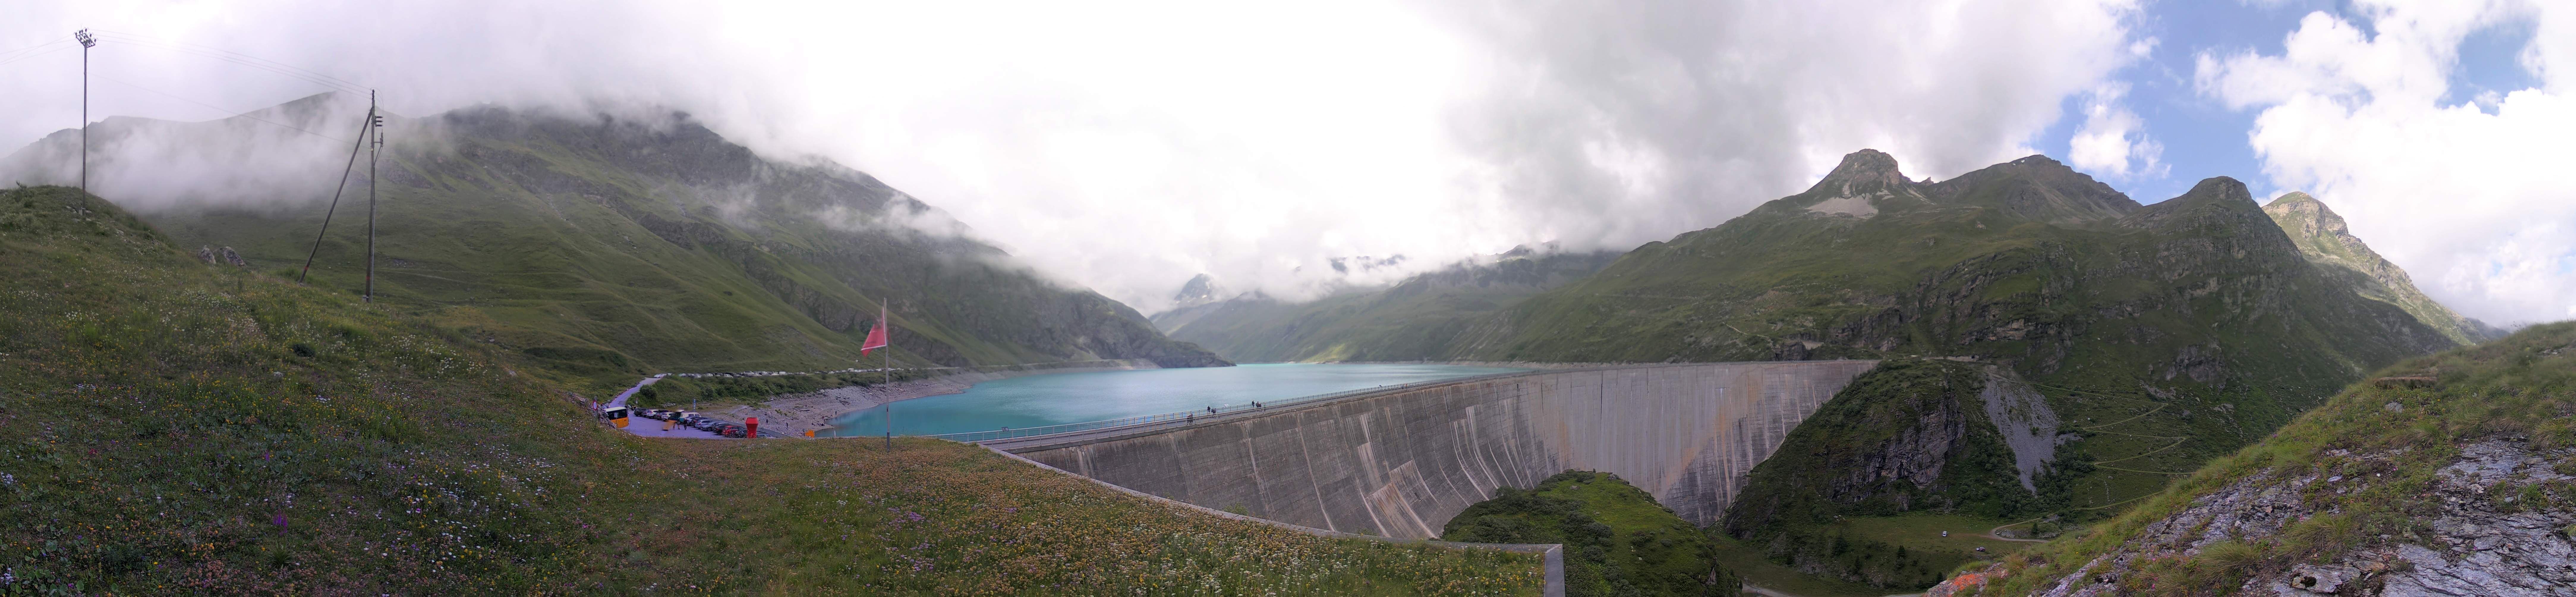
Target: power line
(135, 37)
(209, 107)
(35, 55)
(286, 71)
(232, 56)
(47, 43)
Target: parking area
(648, 427)
(652, 422)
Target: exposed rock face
(2324, 238)
(2478, 542)
(2476, 547)
(1912, 435)
(2022, 416)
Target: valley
(1808, 394)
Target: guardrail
(1187, 417)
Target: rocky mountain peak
(1200, 290)
(2323, 235)
(2324, 238)
(2313, 218)
(1862, 171)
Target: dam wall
(1402, 462)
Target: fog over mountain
(1128, 147)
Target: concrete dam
(1401, 462)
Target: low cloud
(284, 156)
(2471, 197)
(1129, 146)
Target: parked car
(733, 431)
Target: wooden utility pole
(375, 126)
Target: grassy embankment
(1916, 533)
(1618, 541)
(175, 427)
(2516, 388)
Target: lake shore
(795, 414)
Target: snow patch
(1845, 206)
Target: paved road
(630, 392)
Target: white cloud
(2114, 140)
(1130, 145)
(1611, 125)
(2477, 205)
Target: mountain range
(2052, 346)
(1419, 318)
(611, 244)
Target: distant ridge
(607, 244)
(2325, 239)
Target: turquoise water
(1060, 398)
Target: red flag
(876, 336)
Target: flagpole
(882, 324)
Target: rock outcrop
(2475, 541)
(2465, 485)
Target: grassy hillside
(177, 427)
(1618, 541)
(2456, 476)
(616, 246)
(1423, 317)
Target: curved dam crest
(1402, 462)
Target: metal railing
(1188, 417)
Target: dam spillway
(1401, 462)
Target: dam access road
(1401, 462)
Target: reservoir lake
(1061, 398)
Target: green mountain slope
(175, 427)
(2455, 474)
(2159, 336)
(2325, 239)
(1422, 317)
(617, 246)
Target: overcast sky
(1128, 146)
